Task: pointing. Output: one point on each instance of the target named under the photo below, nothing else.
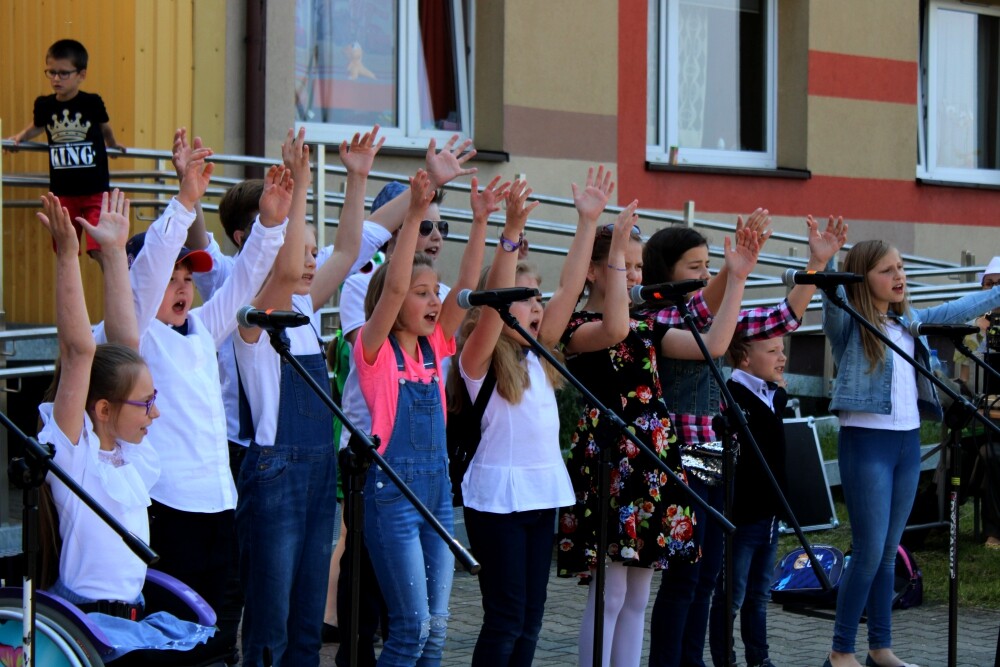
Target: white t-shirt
(260, 371)
(95, 562)
(518, 466)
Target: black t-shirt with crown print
(78, 161)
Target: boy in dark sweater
(78, 129)
(758, 372)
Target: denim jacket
(856, 389)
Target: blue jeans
(754, 548)
(515, 551)
(680, 613)
(414, 566)
(879, 470)
(285, 518)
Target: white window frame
(666, 104)
(927, 167)
(409, 134)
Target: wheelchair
(66, 637)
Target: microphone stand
(365, 451)
(603, 481)
(732, 415)
(962, 410)
(28, 473)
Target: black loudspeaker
(808, 489)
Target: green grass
(978, 567)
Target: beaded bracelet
(612, 266)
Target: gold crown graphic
(67, 130)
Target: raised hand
(487, 201)
(55, 218)
(182, 151)
(518, 207)
(111, 230)
(624, 223)
(824, 245)
(446, 166)
(359, 155)
(593, 198)
(196, 177)
(295, 156)
(741, 257)
(276, 199)
(421, 194)
(759, 222)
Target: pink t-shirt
(380, 381)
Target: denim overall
(413, 564)
(285, 518)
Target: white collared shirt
(190, 434)
(757, 387)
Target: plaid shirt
(753, 324)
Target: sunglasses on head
(427, 226)
(609, 229)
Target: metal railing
(157, 184)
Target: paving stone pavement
(919, 634)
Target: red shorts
(87, 207)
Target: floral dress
(650, 521)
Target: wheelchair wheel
(58, 641)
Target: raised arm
(758, 222)
(741, 258)
(478, 348)
(590, 202)
(111, 232)
(822, 247)
(399, 271)
(197, 237)
(358, 158)
(152, 268)
(275, 202)
(468, 275)
(442, 167)
(76, 344)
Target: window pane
(966, 90)
(437, 68)
(346, 62)
(653, 74)
(722, 87)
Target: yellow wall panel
(142, 58)
(560, 55)
(888, 133)
(879, 29)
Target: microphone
(950, 330)
(248, 316)
(495, 298)
(791, 277)
(640, 294)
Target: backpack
(794, 581)
(908, 589)
(464, 431)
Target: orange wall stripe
(862, 77)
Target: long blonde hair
(861, 259)
(512, 376)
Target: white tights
(626, 593)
